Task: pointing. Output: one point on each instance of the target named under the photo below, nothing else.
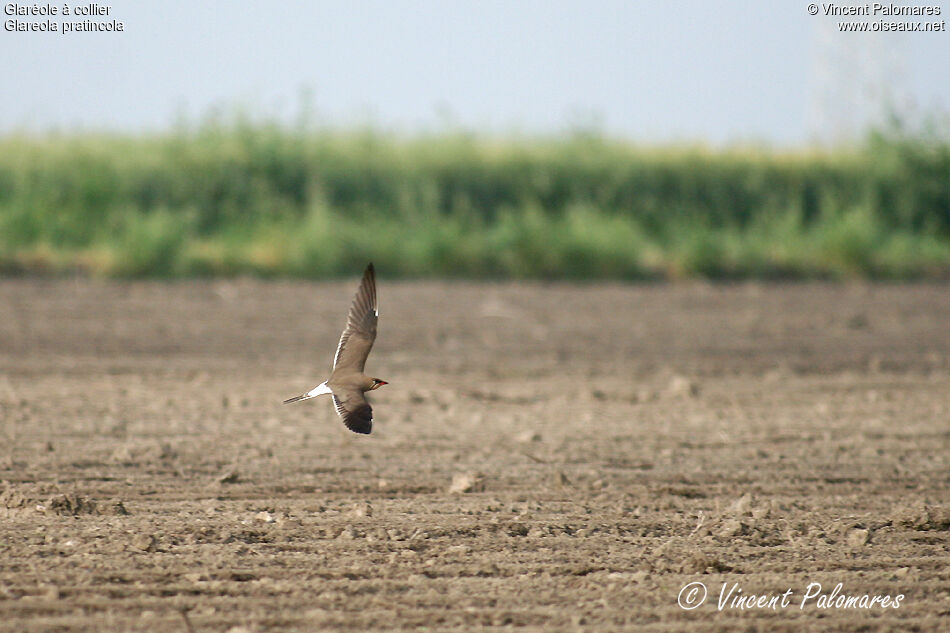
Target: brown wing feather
(356, 413)
(360, 332)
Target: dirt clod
(71, 504)
(466, 482)
(144, 542)
(858, 537)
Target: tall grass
(256, 198)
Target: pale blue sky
(686, 71)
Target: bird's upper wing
(354, 409)
(357, 339)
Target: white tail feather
(319, 390)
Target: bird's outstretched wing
(355, 410)
(357, 339)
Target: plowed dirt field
(545, 458)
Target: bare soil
(545, 458)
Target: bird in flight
(347, 382)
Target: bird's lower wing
(356, 413)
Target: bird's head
(377, 383)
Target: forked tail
(319, 390)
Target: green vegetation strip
(269, 200)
